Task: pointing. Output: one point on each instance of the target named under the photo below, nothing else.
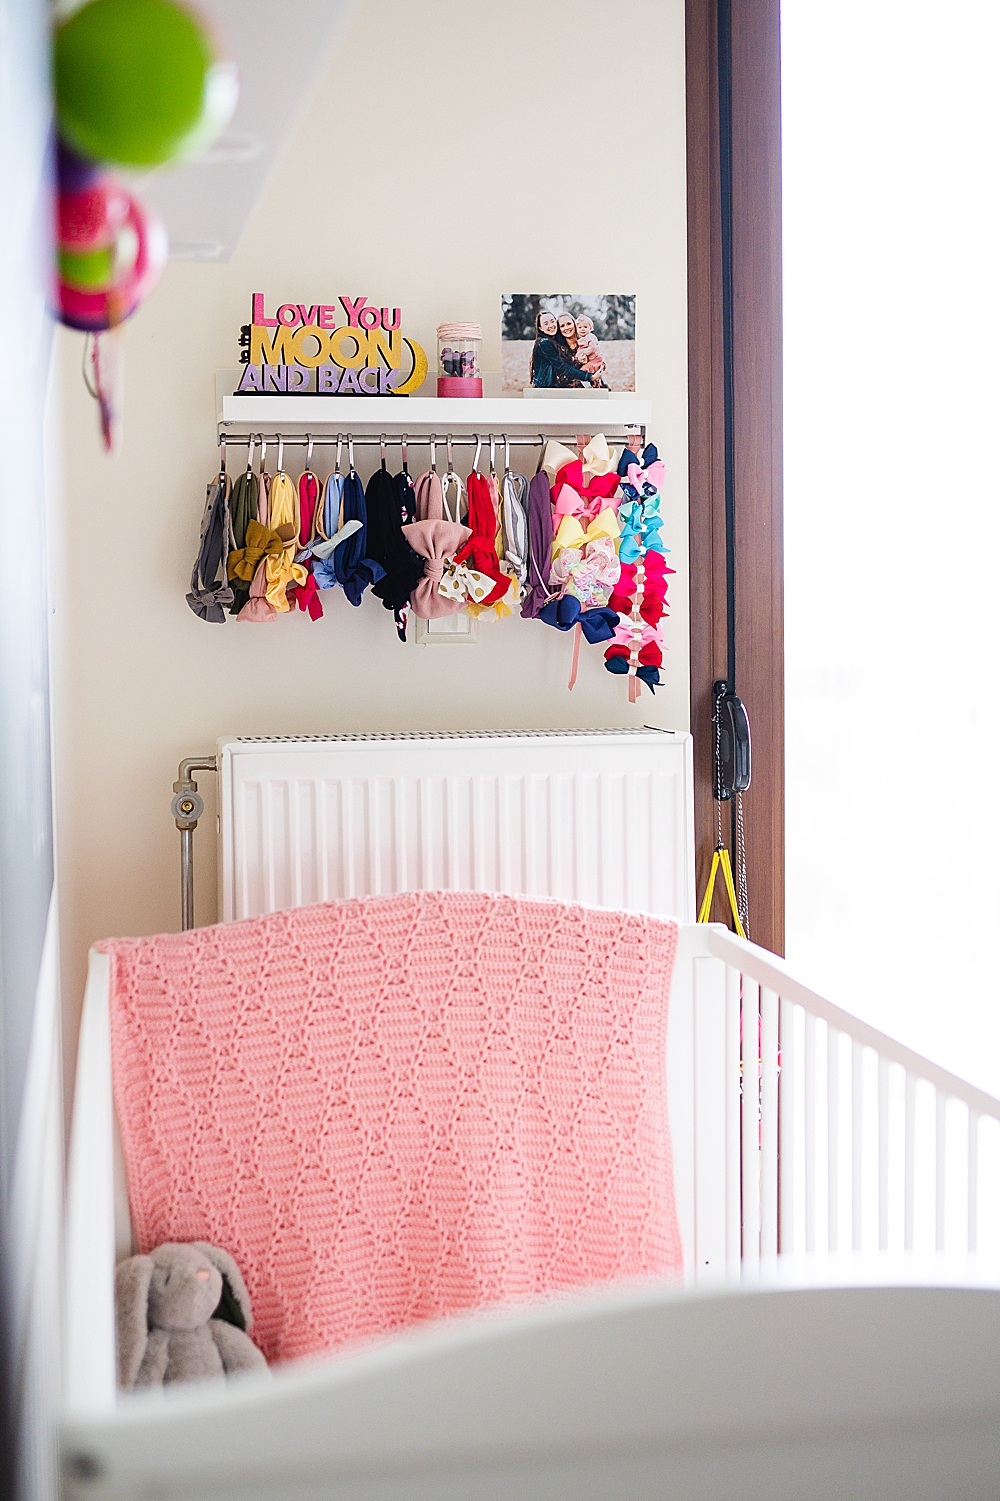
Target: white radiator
(597, 816)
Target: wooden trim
(757, 379)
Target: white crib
(761, 1378)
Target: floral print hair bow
(588, 573)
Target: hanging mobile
(732, 778)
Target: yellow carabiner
(720, 858)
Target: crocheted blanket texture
(391, 1109)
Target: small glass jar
(459, 370)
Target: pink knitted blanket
(394, 1108)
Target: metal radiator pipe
(187, 879)
(187, 806)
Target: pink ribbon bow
(435, 541)
(648, 635)
(654, 475)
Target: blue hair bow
(564, 613)
(648, 675)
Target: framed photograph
(561, 341)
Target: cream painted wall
(453, 152)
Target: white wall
(453, 152)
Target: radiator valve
(187, 805)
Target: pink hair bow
(647, 635)
(654, 475)
(567, 503)
(436, 542)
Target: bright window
(892, 347)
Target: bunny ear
(234, 1305)
(132, 1278)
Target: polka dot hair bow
(465, 584)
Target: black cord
(724, 55)
(724, 50)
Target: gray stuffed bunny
(182, 1315)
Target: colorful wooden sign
(305, 349)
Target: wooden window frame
(757, 432)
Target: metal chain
(718, 773)
(742, 894)
(742, 890)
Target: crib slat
(857, 1143)
(769, 1124)
(940, 1182)
(787, 1124)
(909, 1160)
(833, 1135)
(810, 1133)
(707, 1032)
(751, 1124)
(734, 1173)
(883, 1153)
(973, 1231)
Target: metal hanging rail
(303, 440)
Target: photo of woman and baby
(562, 342)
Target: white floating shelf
(374, 414)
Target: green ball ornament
(138, 82)
(92, 271)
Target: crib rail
(836, 1137)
